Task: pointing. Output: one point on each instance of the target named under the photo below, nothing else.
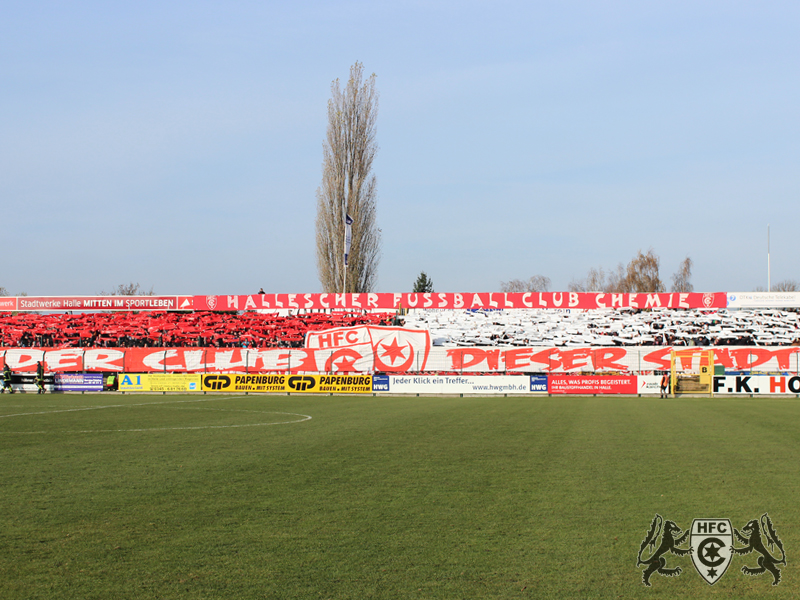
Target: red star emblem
(346, 364)
(393, 350)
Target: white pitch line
(305, 418)
(67, 410)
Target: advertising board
(308, 384)
(159, 382)
(763, 299)
(124, 303)
(78, 382)
(233, 382)
(454, 384)
(572, 384)
(648, 384)
(758, 385)
(539, 384)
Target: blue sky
(179, 144)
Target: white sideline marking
(67, 410)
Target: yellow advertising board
(336, 384)
(308, 384)
(240, 382)
(159, 382)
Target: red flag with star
(368, 348)
(397, 349)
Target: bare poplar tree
(537, 283)
(642, 274)
(681, 279)
(349, 187)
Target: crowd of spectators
(172, 329)
(503, 328)
(608, 327)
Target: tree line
(640, 275)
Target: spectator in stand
(261, 291)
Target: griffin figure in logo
(671, 537)
(752, 540)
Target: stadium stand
(448, 328)
(608, 327)
(158, 329)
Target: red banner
(571, 384)
(82, 303)
(395, 350)
(463, 301)
(541, 359)
(146, 360)
(382, 301)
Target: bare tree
(595, 281)
(349, 188)
(617, 280)
(128, 289)
(537, 283)
(642, 274)
(787, 285)
(3, 291)
(681, 279)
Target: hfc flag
(348, 236)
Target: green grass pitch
(151, 496)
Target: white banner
(648, 384)
(617, 359)
(455, 384)
(758, 385)
(394, 350)
(763, 299)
